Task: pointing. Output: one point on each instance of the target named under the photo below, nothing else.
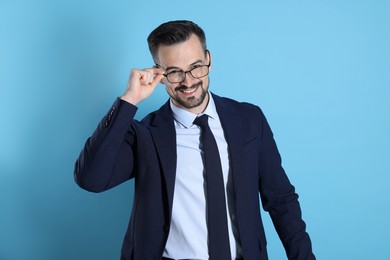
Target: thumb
(156, 80)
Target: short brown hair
(173, 32)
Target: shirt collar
(186, 118)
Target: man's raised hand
(141, 84)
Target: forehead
(182, 54)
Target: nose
(188, 79)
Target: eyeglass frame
(188, 71)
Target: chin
(193, 101)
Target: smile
(190, 91)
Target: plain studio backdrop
(320, 70)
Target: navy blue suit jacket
(122, 148)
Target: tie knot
(201, 121)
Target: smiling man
(199, 163)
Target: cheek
(205, 83)
(169, 88)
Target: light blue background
(320, 70)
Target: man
(199, 163)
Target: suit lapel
(232, 127)
(164, 136)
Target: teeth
(189, 91)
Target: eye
(174, 71)
(197, 66)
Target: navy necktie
(219, 247)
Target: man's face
(191, 93)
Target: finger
(157, 70)
(146, 77)
(156, 80)
(151, 74)
(154, 71)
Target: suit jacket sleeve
(280, 200)
(107, 157)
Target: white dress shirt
(187, 237)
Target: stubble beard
(192, 101)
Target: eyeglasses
(177, 76)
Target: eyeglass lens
(197, 72)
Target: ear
(209, 59)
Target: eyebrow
(192, 64)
